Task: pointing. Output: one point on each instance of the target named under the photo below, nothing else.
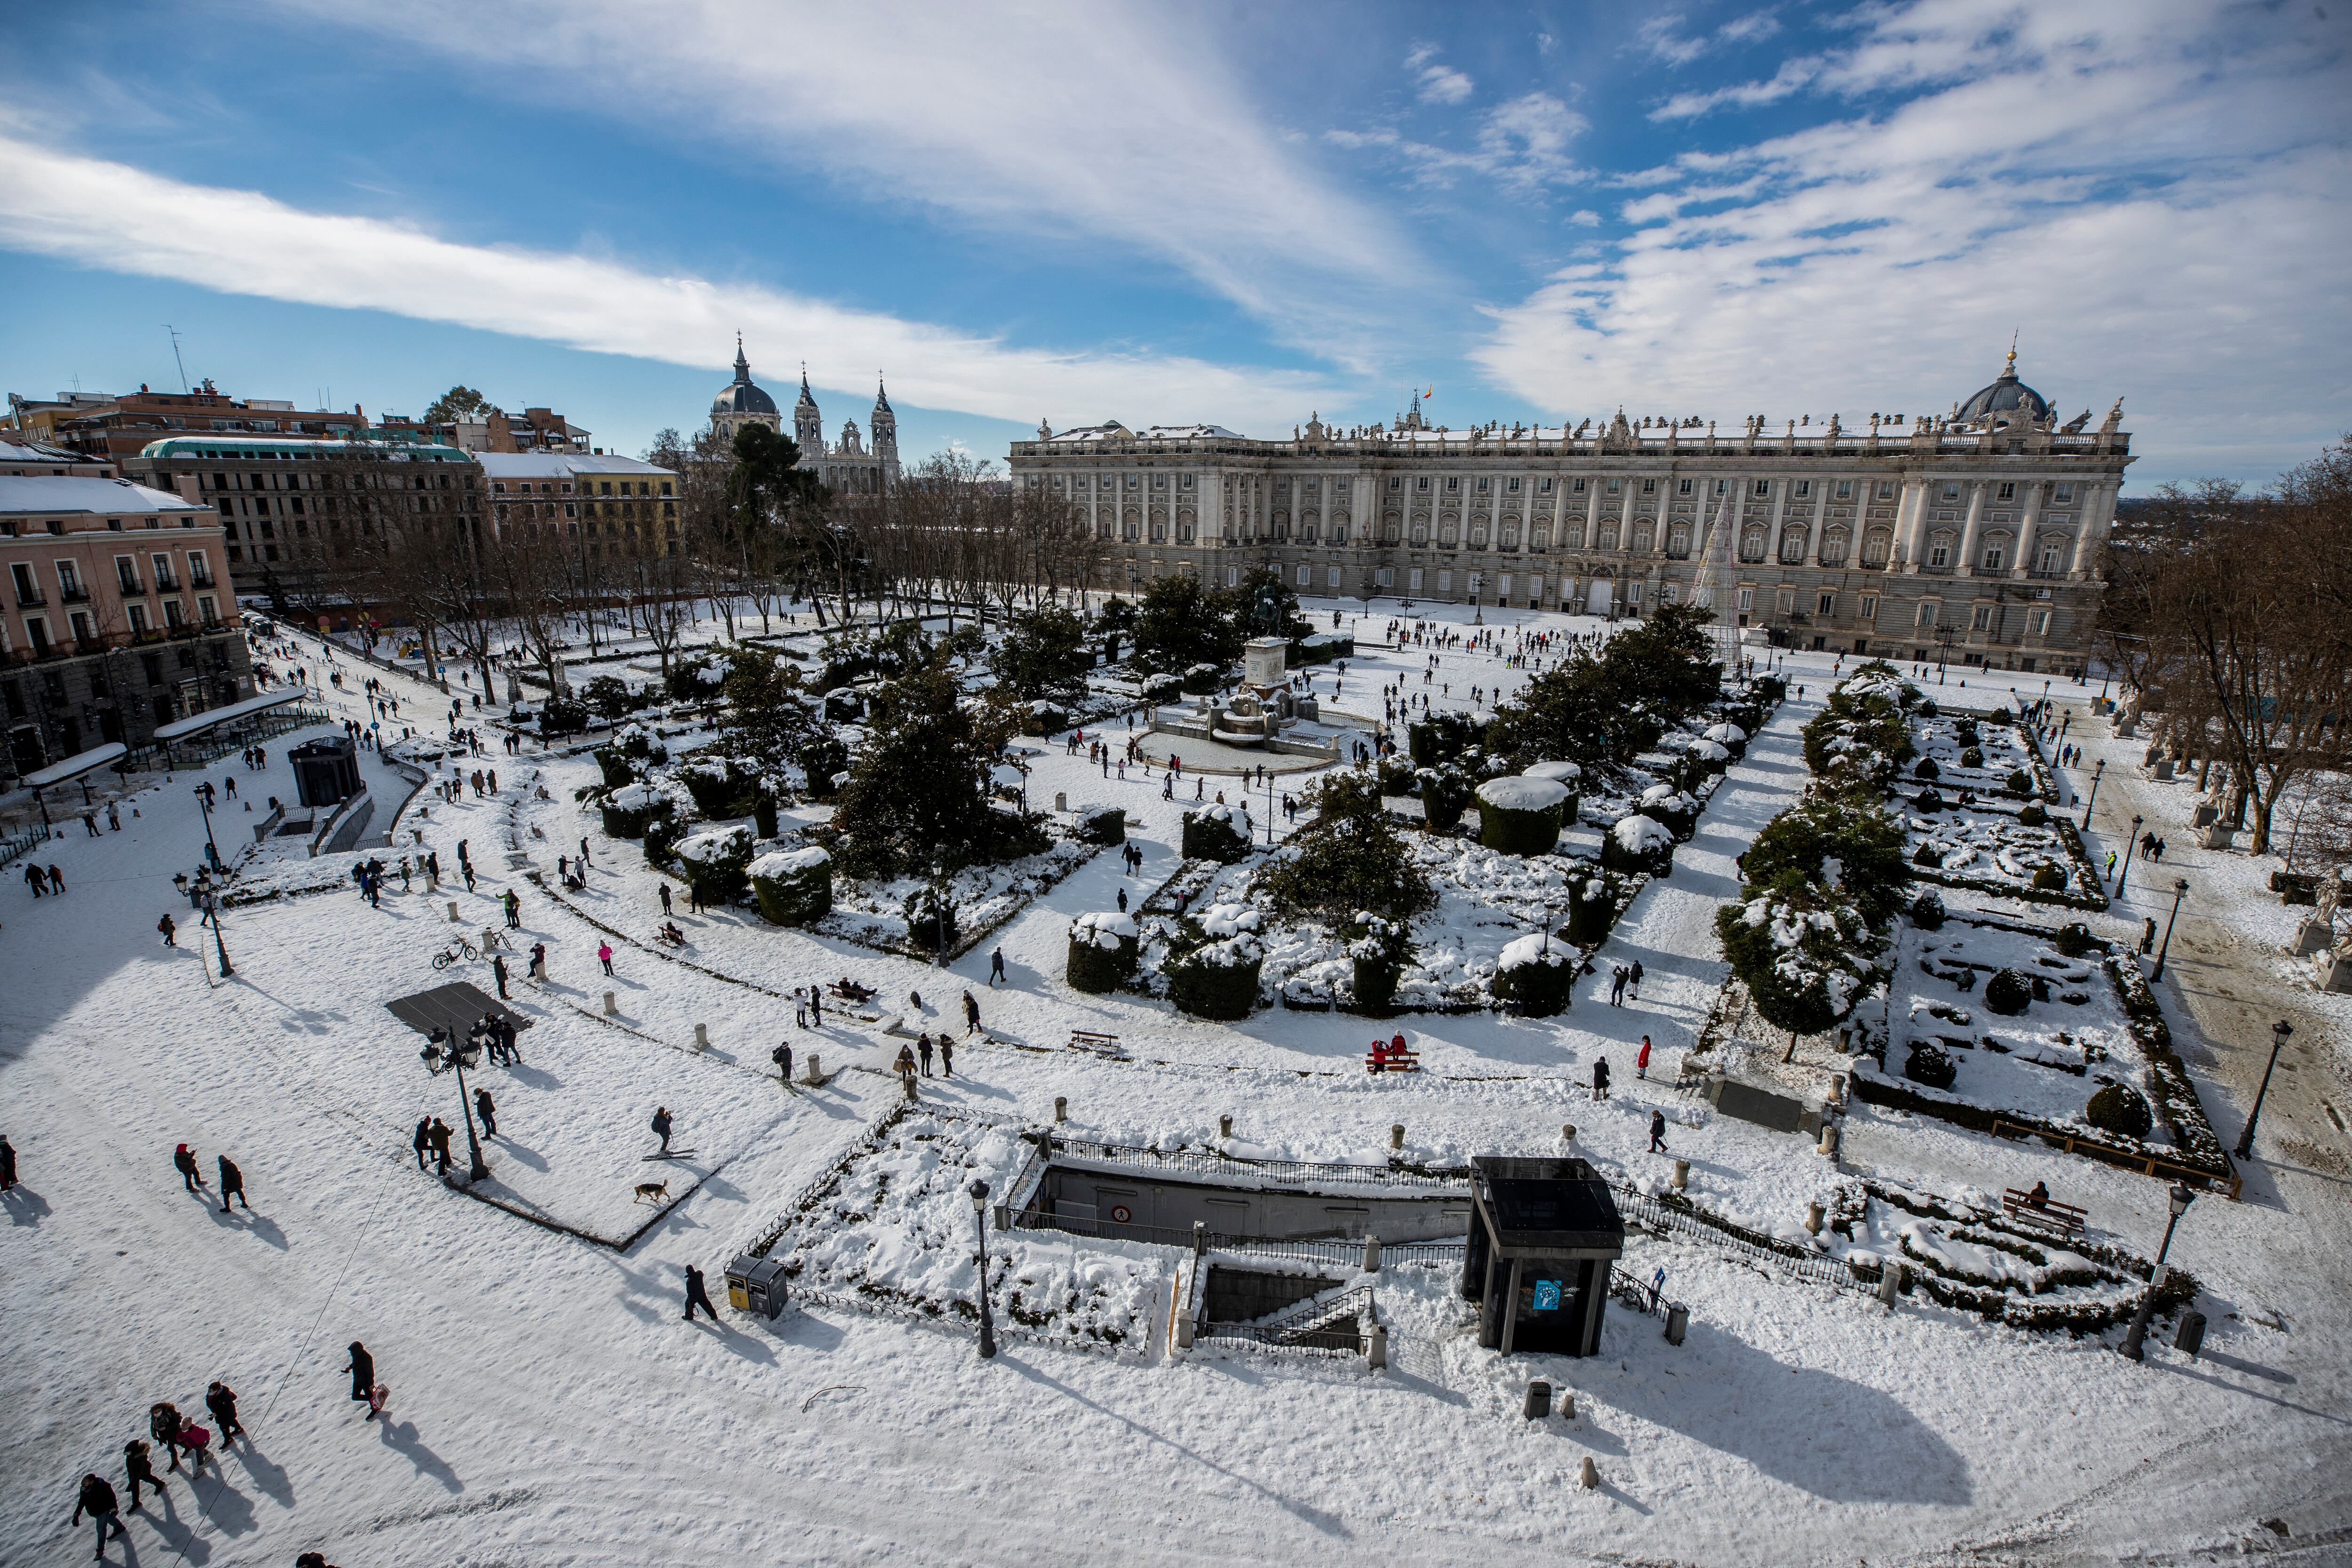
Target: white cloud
(1585, 218)
(1663, 37)
(1521, 144)
(118, 218)
(2155, 196)
(1793, 76)
(1438, 83)
(1115, 124)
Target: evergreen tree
(1043, 655)
(1350, 859)
(918, 793)
(1182, 624)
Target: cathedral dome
(2005, 394)
(742, 395)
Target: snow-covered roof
(63, 495)
(1114, 431)
(562, 465)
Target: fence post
(1890, 1282)
(1396, 1135)
(1199, 1239)
(1376, 1347)
(453, 911)
(701, 1039)
(1539, 1404)
(1225, 1126)
(814, 1075)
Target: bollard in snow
(1837, 1089)
(1566, 1404)
(1568, 1132)
(453, 911)
(1677, 1322)
(701, 1039)
(2189, 1338)
(1814, 1214)
(1372, 1255)
(1538, 1405)
(1199, 1239)
(1225, 1126)
(1830, 1140)
(1591, 1477)
(612, 1007)
(1061, 800)
(1890, 1282)
(1376, 1347)
(814, 1075)
(1061, 1107)
(1396, 1135)
(1682, 1175)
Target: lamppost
(2279, 1032)
(979, 1222)
(2098, 772)
(2181, 1198)
(205, 802)
(212, 918)
(2131, 847)
(2179, 891)
(461, 1051)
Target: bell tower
(808, 426)
(883, 427)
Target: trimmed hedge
(1207, 989)
(1522, 830)
(1103, 824)
(1220, 832)
(1541, 985)
(792, 890)
(1103, 953)
(2120, 1108)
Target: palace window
(1682, 488)
(2007, 492)
(1513, 487)
(1994, 552)
(1939, 553)
(1649, 487)
(1746, 600)
(1306, 580)
(1421, 484)
(1828, 605)
(1868, 609)
(1578, 487)
(1751, 545)
(1395, 484)
(1792, 547)
(1483, 483)
(1543, 487)
(1644, 536)
(1873, 550)
(2054, 555)
(1572, 538)
(1981, 621)
(1453, 486)
(1928, 610)
(1678, 543)
(1886, 489)
(1844, 491)
(1804, 488)
(1951, 492)
(2063, 495)
(1761, 488)
(2039, 622)
(1615, 485)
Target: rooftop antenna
(176, 356)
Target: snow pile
(783, 862)
(716, 845)
(1234, 931)
(637, 797)
(1522, 793)
(1726, 734)
(1639, 834)
(1236, 815)
(1533, 950)
(1103, 930)
(1564, 773)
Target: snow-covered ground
(548, 1405)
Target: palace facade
(1975, 536)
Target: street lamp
(180, 881)
(2131, 844)
(979, 1222)
(2279, 1032)
(2098, 772)
(212, 918)
(2179, 891)
(460, 1051)
(205, 801)
(2181, 1198)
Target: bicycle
(455, 952)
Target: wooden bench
(1093, 1040)
(1385, 1058)
(2065, 1219)
(860, 993)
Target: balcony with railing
(30, 598)
(128, 582)
(166, 583)
(73, 593)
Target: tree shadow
(403, 1437)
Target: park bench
(849, 992)
(1388, 1057)
(1093, 1040)
(2065, 1219)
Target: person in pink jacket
(604, 955)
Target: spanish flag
(1431, 392)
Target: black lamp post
(979, 1222)
(2179, 891)
(2098, 772)
(205, 802)
(2181, 1198)
(2131, 844)
(2279, 1032)
(180, 881)
(460, 1052)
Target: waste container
(756, 1285)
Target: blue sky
(1237, 214)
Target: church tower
(885, 429)
(808, 426)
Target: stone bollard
(1566, 1405)
(1372, 1255)
(1061, 800)
(814, 1075)
(1568, 1132)
(1814, 1214)
(1591, 1477)
(1396, 1135)
(453, 911)
(1376, 1347)
(1677, 1323)
(1061, 1107)
(1682, 1175)
(1199, 1239)
(1538, 1405)
(612, 1006)
(1830, 1140)
(701, 1039)
(1225, 1126)
(1890, 1282)
(1837, 1089)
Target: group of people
(232, 1180)
(1622, 978)
(177, 1434)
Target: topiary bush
(2049, 879)
(1522, 815)
(1669, 807)
(2073, 938)
(2008, 993)
(663, 830)
(2019, 782)
(1439, 739)
(1927, 802)
(1445, 796)
(931, 917)
(1591, 903)
(1927, 856)
(1101, 825)
(1220, 832)
(721, 787)
(2120, 1108)
(2034, 816)
(1103, 951)
(1638, 843)
(1536, 977)
(716, 862)
(1927, 770)
(1930, 1064)
(1972, 758)
(1397, 777)
(794, 887)
(1381, 951)
(631, 808)
(1219, 977)
(824, 759)
(1927, 910)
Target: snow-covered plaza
(548, 1403)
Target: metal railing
(1287, 1172)
(1698, 1224)
(1312, 1332)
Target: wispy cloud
(1662, 37)
(2153, 195)
(1521, 144)
(1119, 125)
(1436, 83)
(111, 216)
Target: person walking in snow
(923, 1049)
(782, 1057)
(513, 902)
(971, 1015)
(695, 1295)
(1634, 980)
(56, 880)
(1122, 901)
(232, 1184)
(661, 1126)
(1641, 1062)
(139, 1470)
(1657, 1132)
(440, 1135)
(361, 1366)
(221, 1400)
(1617, 986)
(604, 956)
(198, 1441)
(663, 890)
(423, 1140)
(1600, 1077)
(168, 928)
(184, 1159)
(995, 967)
(97, 1500)
(498, 969)
(487, 1111)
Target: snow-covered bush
(2050, 878)
(931, 917)
(1350, 859)
(1439, 739)
(1592, 904)
(1396, 776)
(794, 887)
(1522, 815)
(1927, 910)
(1217, 832)
(1639, 843)
(2121, 1108)
(1927, 771)
(1804, 951)
(2034, 817)
(2008, 993)
(1672, 809)
(1218, 977)
(697, 677)
(825, 761)
(1972, 758)
(722, 786)
(2073, 938)
(1101, 825)
(1103, 951)
(1445, 796)
(1706, 758)
(1730, 737)
(1930, 1064)
(1380, 949)
(630, 808)
(1534, 975)
(2019, 782)
(716, 862)
(1846, 841)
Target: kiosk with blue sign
(1542, 1236)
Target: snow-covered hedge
(1639, 843)
(794, 886)
(1535, 976)
(716, 862)
(1379, 952)
(1522, 815)
(1217, 832)
(1730, 737)
(1675, 810)
(1101, 824)
(722, 786)
(1218, 978)
(1103, 949)
(629, 809)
